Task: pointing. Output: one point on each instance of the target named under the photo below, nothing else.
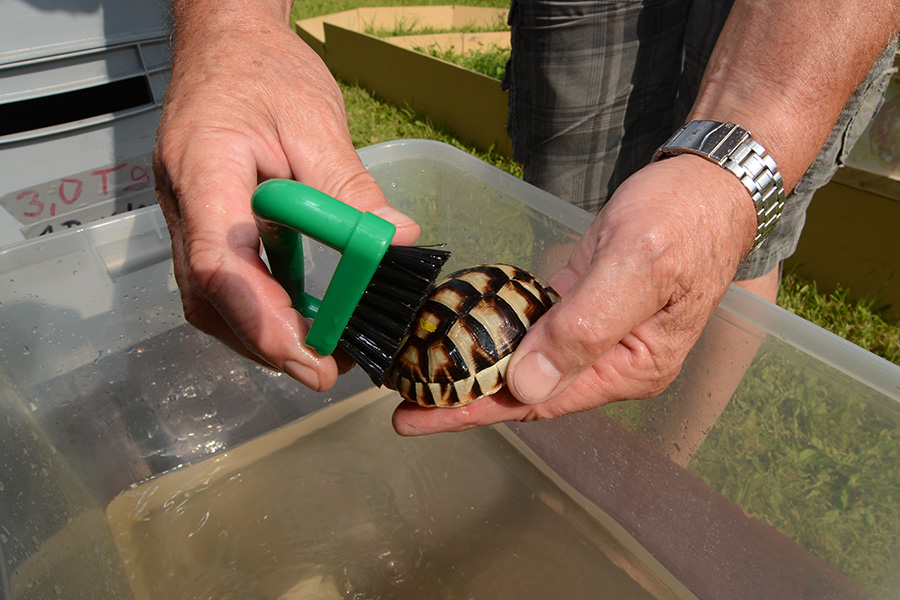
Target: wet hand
(636, 294)
(248, 101)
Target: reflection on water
(338, 506)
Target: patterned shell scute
(460, 343)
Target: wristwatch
(731, 147)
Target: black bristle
(390, 303)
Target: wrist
(198, 19)
(684, 206)
(769, 129)
(732, 148)
(719, 201)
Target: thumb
(347, 179)
(535, 378)
(550, 358)
(364, 193)
(594, 314)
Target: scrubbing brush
(376, 289)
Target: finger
(197, 310)
(359, 189)
(336, 169)
(344, 361)
(221, 246)
(612, 298)
(349, 181)
(411, 419)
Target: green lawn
(860, 321)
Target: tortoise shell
(461, 340)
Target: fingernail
(536, 378)
(302, 373)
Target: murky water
(338, 506)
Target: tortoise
(459, 345)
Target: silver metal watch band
(730, 147)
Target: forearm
(195, 12)
(784, 70)
(194, 19)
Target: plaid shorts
(595, 86)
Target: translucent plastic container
(81, 89)
(142, 459)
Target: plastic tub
(790, 492)
(81, 86)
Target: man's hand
(248, 101)
(636, 294)
(646, 277)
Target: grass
(859, 321)
(372, 120)
(798, 452)
(403, 27)
(489, 60)
(406, 27)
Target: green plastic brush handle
(286, 209)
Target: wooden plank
(444, 17)
(465, 16)
(869, 181)
(469, 104)
(850, 239)
(458, 42)
(706, 541)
